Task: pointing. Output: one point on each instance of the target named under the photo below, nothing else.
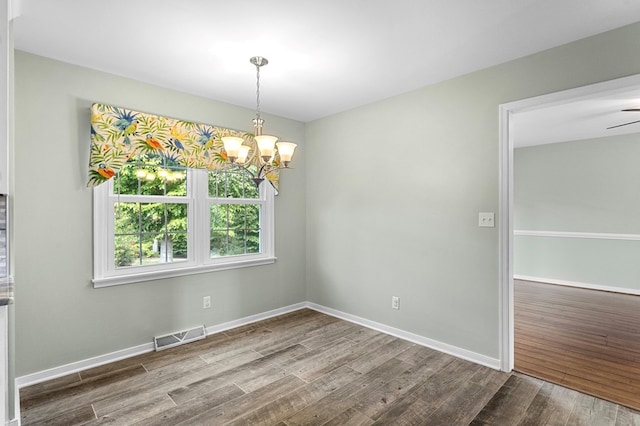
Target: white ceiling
(584, 118)
(325, 56)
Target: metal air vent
(180, 338)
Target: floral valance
(118, 134)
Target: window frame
(198, 261)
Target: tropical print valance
(119, 134)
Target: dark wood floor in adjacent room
(307, 368)
(584, 339)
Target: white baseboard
(577, 284)
(415, 338)
(53, 373)
(255, 318)
(74, 367)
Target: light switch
(486, 219)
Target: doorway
(598, 102)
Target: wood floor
(584, 339)
(306, 368)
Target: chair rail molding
(571, 234)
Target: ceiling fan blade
(631, 110)
(625, 124)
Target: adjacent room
(296, 212)
(576, 235)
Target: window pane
(126, 251)
(148, 249)
(151, 175)
(235, 229)
(233, 183)
(150, 233)
(135, 218)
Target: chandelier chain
(258, 92)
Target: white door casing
(507, 132)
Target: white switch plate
(206, 302)
(486, 219)
(395, 302)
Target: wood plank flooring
(307, 368)
(584, 339)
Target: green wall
(395, 210)
(389, 194)
(59, 317)
(587, 186)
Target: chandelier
(272, 154)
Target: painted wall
(588, 186)
(396, 213)
(60, 317)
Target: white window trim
(198, 260)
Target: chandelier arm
(257, 180)
(260, 170)
(247, 169)
(243, 168)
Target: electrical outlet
(486, 219)
(395, 302)
(206, 302)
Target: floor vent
(179, 338)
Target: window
(156, 219)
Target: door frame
(506, 112)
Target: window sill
(178, 272)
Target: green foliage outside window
(149, 233)
(235, 228)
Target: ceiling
(324, 56)
(583, 118)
